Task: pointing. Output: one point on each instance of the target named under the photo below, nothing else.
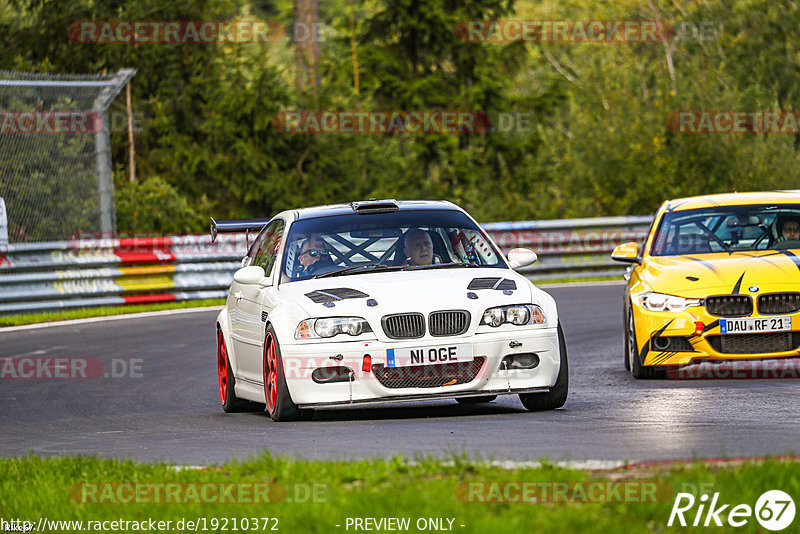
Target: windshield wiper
(439, 266)
(360, 268)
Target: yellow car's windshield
(728, 229)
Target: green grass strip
(315, 496)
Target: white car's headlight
(666, 303)
(520, 314)
(331, 326)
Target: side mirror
(627, 253)
(251, 275)
(521, 257)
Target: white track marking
(110, 318)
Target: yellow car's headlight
(660, 302)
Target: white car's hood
(413, 291)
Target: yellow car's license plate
(755, 324)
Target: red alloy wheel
(270, 372)
(222, 367)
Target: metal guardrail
(107, 272)
(571, 248)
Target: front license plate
(461, 352)
(755, 324)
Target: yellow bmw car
(717, 278)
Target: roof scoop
(375, 206)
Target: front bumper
(703, 339)
(364, 387)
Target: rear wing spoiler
(233, 226)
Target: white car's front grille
(448, 323)
(404, 325)
(412, 325)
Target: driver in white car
(313, 256)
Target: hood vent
(322, 296)
(500, 284)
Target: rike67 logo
(774, 510)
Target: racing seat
(399, 258)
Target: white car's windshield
(401, 240)
(728, 229)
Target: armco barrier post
(3, 223)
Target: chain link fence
(55, 158)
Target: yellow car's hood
(698, 275)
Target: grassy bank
(316, 496)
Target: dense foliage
(598, 142)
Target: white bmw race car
(382, 301)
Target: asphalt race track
(169, 408)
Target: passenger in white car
(418, 247)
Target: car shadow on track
(425, 410)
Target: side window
(266, 248)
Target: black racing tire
(476, 400)
(557, 396)
(635, 366)
(625, 342)
(227, 382)
(279, 402)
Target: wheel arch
(291, 385)
(223, 323)
(546, 300)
